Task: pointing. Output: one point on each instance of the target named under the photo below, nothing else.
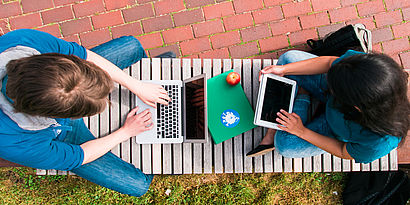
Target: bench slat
(177, 148)
(197, 70)
(287, 164)
(346, 165)
(124, 109)
(297, 165)
(217, 148)
(374, 166)
(355, 166)
(136, 148)
(238, 140)
(317, 163)
(384, 163)
(146, 148)
(307, 164)
(393, 160)
(337, 164)
(114, 115)
(166, 148)
(156, 148)
(187, 147)
(365, 167)
(266, 160)
(51, 172)
(227, 145)
(327, 162)
(207, 146)
(247, 143)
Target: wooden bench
(226, 157)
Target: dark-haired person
(367, 109)
(48, 85)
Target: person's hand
(150, 93)
(291, 123)
(137, 123)
(274, 69)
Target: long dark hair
(371, 90)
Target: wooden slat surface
(177, 148)
(238, 140)
(187, 147)
(146, 148)
(136, 148)
(218, 151)
(266, 160)
(247, 139)
(207, 153)
(166, 148)
(227, 145)
(226, 157)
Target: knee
(284, 145)
(288, 56)
(141, 187)
(294, 56)
(132, 41)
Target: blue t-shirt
(363, 145)
(42, 148)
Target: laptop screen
(277, 96)
(194, 109)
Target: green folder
(229, 111)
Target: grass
(22, 186)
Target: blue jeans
(290, 145)
(109, 170)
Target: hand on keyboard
(137, 123)
(151, 94)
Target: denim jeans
(290, 145)
(109, 170)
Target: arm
(113, 71)
(134, 124)
(292, 123)
(311, 66)
(149, 93)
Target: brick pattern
(214, 28)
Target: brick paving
(215, 28)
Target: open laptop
(184, 119)
(275, 93)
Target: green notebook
(229, 111)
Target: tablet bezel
(261, 95)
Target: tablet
(275, 93)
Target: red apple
(233, 78)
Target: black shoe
(168, 54)
(260, 150)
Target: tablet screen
(277, 96)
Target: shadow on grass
(20, 185)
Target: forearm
(116, 74)
(331, 145)
(311, 66)
(96, 148)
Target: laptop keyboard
(167, 116)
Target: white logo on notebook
(230, 118)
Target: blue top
(42, 148)
(363, 145)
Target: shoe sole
(261, 152)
